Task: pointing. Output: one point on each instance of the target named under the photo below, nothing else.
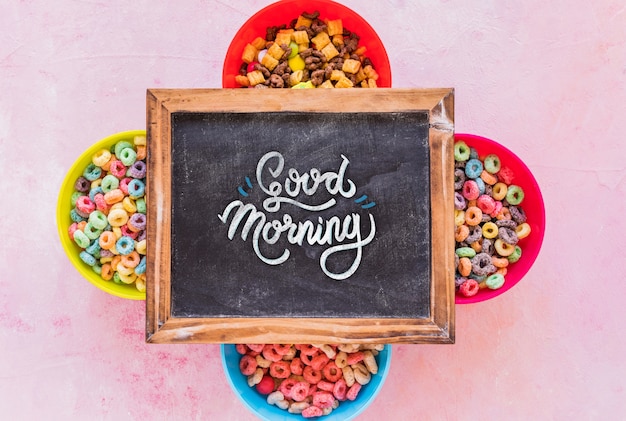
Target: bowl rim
(61, 217)
(531, 257)
(288, 416)
(342, 7)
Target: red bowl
(283, 12)
(533, 207)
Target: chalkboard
(282, 214)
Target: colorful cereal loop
(499, 191)
(101, 157)
(523, 230)
(117, 217)
(107, 240)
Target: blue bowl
(257, 404)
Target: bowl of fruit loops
(499, 218)
(101, 214)
(294, 382)
(306, 44)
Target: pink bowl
(283, 12)
(533, 207)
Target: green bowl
(64, 221)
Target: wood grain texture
(161, 327)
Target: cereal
(310, 53)
(109, 223)
(311, 380)
(488, 220)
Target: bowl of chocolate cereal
(499, 219)
(294, 382)
(306, 44)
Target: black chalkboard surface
(284, 216)
(380, 193)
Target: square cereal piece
(334, 27)
(275, 51)
(269, 62)
(283, 38)
(370, 72)
(321, 40)
(249, 54)
(344, 82)
(258, 43)
(301, 37)
(242, 80)
(360, 75)
(330, 51)
(338, 40)
(351, 66)
(302, 21)
(337, 74)
(327, 84)
(255, 77)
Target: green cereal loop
(514, 195)
(97, 268)
(516, 255)
(121, 145)
(128, 156)
(116, 278)
(81, 239)
(98, 220)
(141, 205)
(461, 151)
(74, 198)
(494, 281)
(109, 182)
(91, 232)
(465, 252)
(492, 163)
(92, 172)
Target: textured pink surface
(547, 79)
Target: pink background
(545, 78)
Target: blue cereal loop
(87, 258)
(76, 217)
(92, 172)
(93, 248)
(93, 192)
(481, 185)
(125, 245)
(141, 267)
(473, 168)
(136, 189)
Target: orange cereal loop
(461, 233)
(81, 225)
(107, 240)
(472, 203)
(477, 246)
(499, 262)
(473, 216)
(113, 196)
(465, 266)
(132, 259)
(141, 152)
(522, 230)
(482, 285)
(502, 271)
(107, 165)
(488, 178)
(116, 261)
(107, 272)
(504, 213)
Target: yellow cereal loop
(140, 247)
(459, 217)
(140, 283)
(96, 183)
(118, 232)
(129, 205)
(123, 270)
(101, 157)
(139, 140)
(127, 279)
(117, 218)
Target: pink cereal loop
(312, 376)
(355, 357)
(319, 361)
(247, 365)
(269, 353)
(323, 399)
(353, 392)
(296, 366)
(299, 391)
(280, 369)
(117, 168)
(286, 386)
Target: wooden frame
(161, 327)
